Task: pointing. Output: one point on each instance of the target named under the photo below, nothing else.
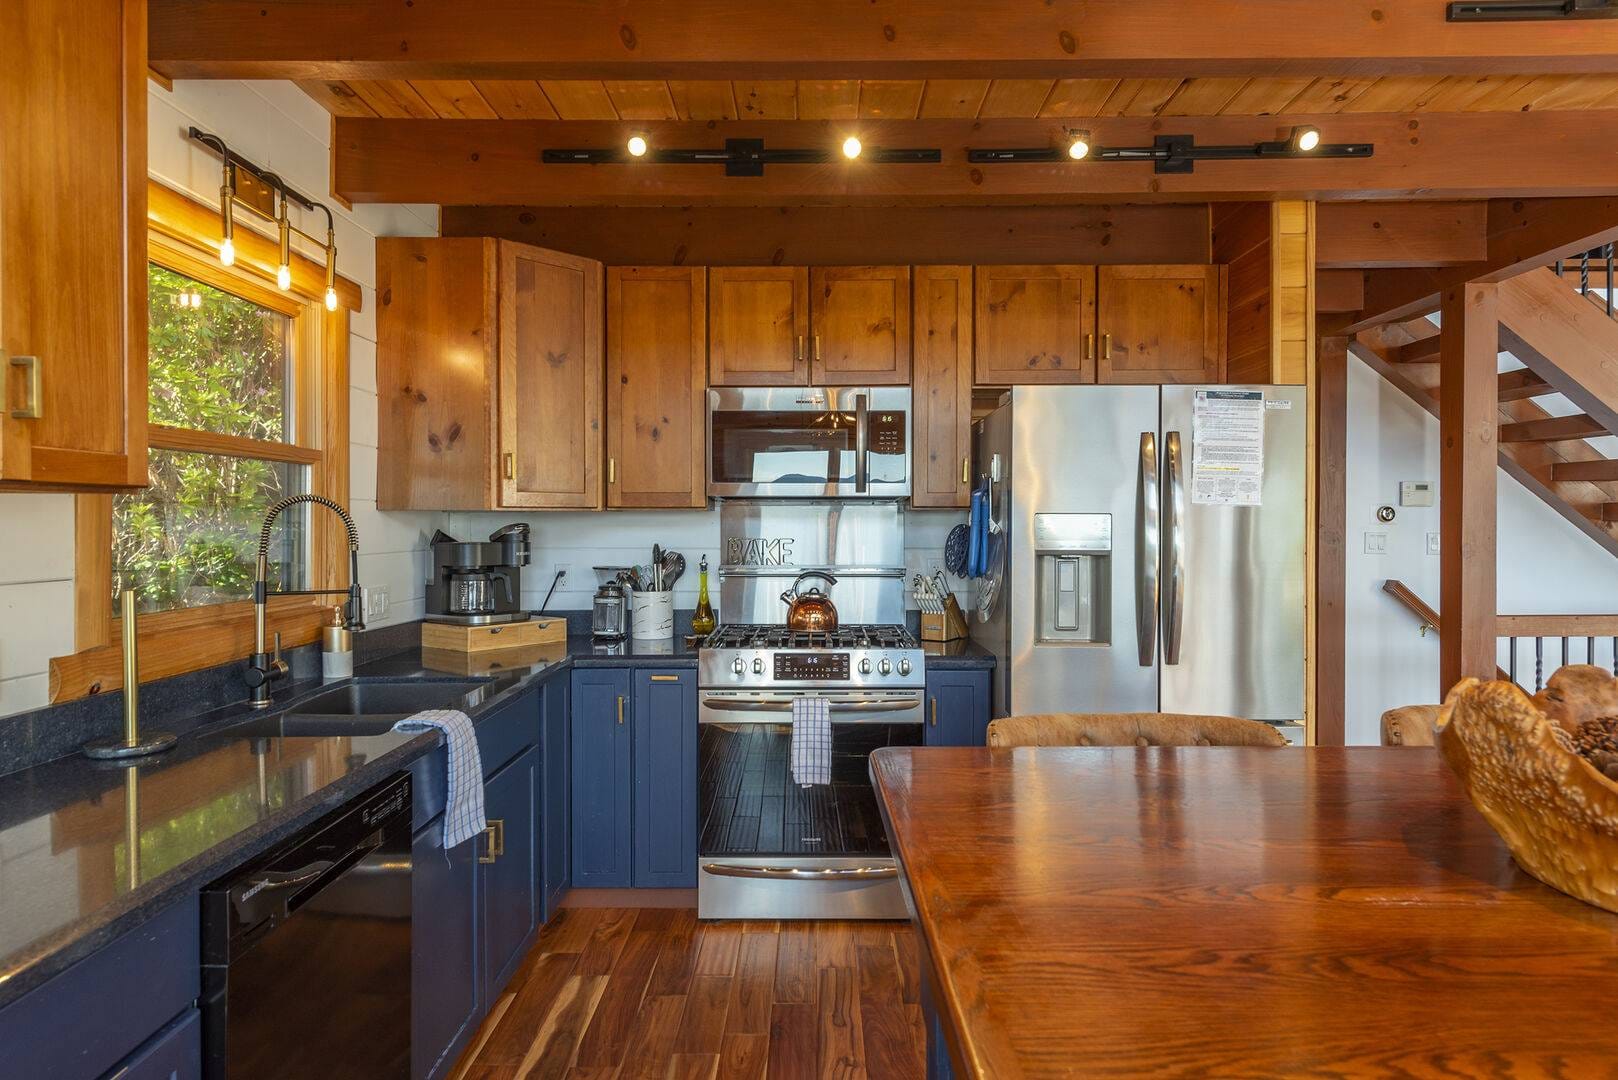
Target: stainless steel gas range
(770, 849)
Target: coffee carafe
(609, 612)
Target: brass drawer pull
(1089, 346)
(935, 712)
(1106, 345)
(665, 678)
(620, 708)
(490, 854)
(817, 346)
(511, 466)
(612, 470)
(34, 408)
(799, 354)
(966, 470)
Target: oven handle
(803, 873)
(776, 704)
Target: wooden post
(1468, 415)
(1330, 540)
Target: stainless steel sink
(367, 708)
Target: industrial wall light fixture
(742, 157)
(246, 185)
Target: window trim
(183, 235)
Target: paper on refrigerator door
(1227, 447)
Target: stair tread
(1552, 429)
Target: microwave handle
(862, 443)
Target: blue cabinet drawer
(174, 1054)
(93, 1015)
(508, 731)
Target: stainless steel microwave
(809, 442)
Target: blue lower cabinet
(665, 729)
(173, 1054)
(957, 708)
(552, 827)
(445, 987)
(509, 862)
(600, 778)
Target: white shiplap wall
(276, 125)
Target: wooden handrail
(1556, 626)
(1412, 603)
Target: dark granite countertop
(964, 654)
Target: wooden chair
(1576, 693)
(1131, 729)
(1410, 725)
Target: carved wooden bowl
(1556, 813)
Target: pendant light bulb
(331, 269)
(637, 146)
(1305, 137)
(283, 277)
(227, 218)
(1078, 147)
(851, 148)
(331, 298)
(283, 272)
(227, 253)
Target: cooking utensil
(955, 550)
(673, 567)
(810, 609)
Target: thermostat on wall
(1416, 493)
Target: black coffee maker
(478, 583)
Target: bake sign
(758, 551)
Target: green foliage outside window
(216, 363)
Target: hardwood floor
(653, 993)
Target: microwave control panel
(887, 431)
(811, 665)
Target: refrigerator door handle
(1146, 551)
(1174, 553)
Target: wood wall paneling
(849, 236)
(1330, 544)
(1366, 235)
(1241, 241)
(1468, 418)
(1292, 291)
(1160, 324)
(657, 355)
(1035, 324)
(758, 326)
(860, 325)
(941, 395)
(435, 373)
(551, 378)
(1339, 291)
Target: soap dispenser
(336, 648)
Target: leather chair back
(1131, 729)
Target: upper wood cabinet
(860, 318)
(1035, 324)
(941, 398)
(489, 376)
(550, 378)
(758, 325)
(1161, 324)
(73, 244)
(657, 347)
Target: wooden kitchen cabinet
(1035, 324)
(941, 387)
(657, 348)
(73, 244)
(1160, 324)
(859, 325)
(489, 376)
(758, 326)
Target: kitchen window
(246, 402)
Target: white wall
(1546, 565)
(276, 125)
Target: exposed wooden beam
(867, 39)
(1520, 385)
(491, 162)
(848, 235)
(1565, 338)
(1331, 540)
(1338, 291)
(1467, 413)
(1523, 234)
(1552, 429)
(1598, 472)
(1425, 351)
(1361, 235)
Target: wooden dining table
(1202, 911)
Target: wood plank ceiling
(850, 99)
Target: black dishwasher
(306, 951)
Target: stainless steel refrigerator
(1145, 549)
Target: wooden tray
(452, 637)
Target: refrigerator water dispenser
(1073, 572)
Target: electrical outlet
(565, 569)
(1376, 543)
(1432, 543)
(375, 598)
(935, 566)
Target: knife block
(947, 625)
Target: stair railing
(1605, 253)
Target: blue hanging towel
(974, 543)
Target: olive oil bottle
(702, 621)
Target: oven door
(809, 442)
(772, 849)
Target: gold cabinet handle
(966, 470)
(1106, 345)
(663, 678)
(935, 712)
(1089, 346)
(817, 346)
(490, 853)
(799, 354)
(612, 470)
(620, 708)
(34, 408)
(499, 836)
(511, 466)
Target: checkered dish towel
(811, 740)
(463, 814)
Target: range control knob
(758, 665)
(884, 667)
(865, 666)
(904, 667)
(739, 666)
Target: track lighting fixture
(637, 146)
(1078, 146)
(244, 184)
(1530, 10)
(743, 157)
(851, 147)
(1180, 153)
(1305, 138)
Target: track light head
(637, 146)
(851, 148)
(1078, 146)
(1304, 138)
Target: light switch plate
(1376, 543)
(1432, 543)
(376, 600)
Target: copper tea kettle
(810, 609)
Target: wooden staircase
(1569, 343)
